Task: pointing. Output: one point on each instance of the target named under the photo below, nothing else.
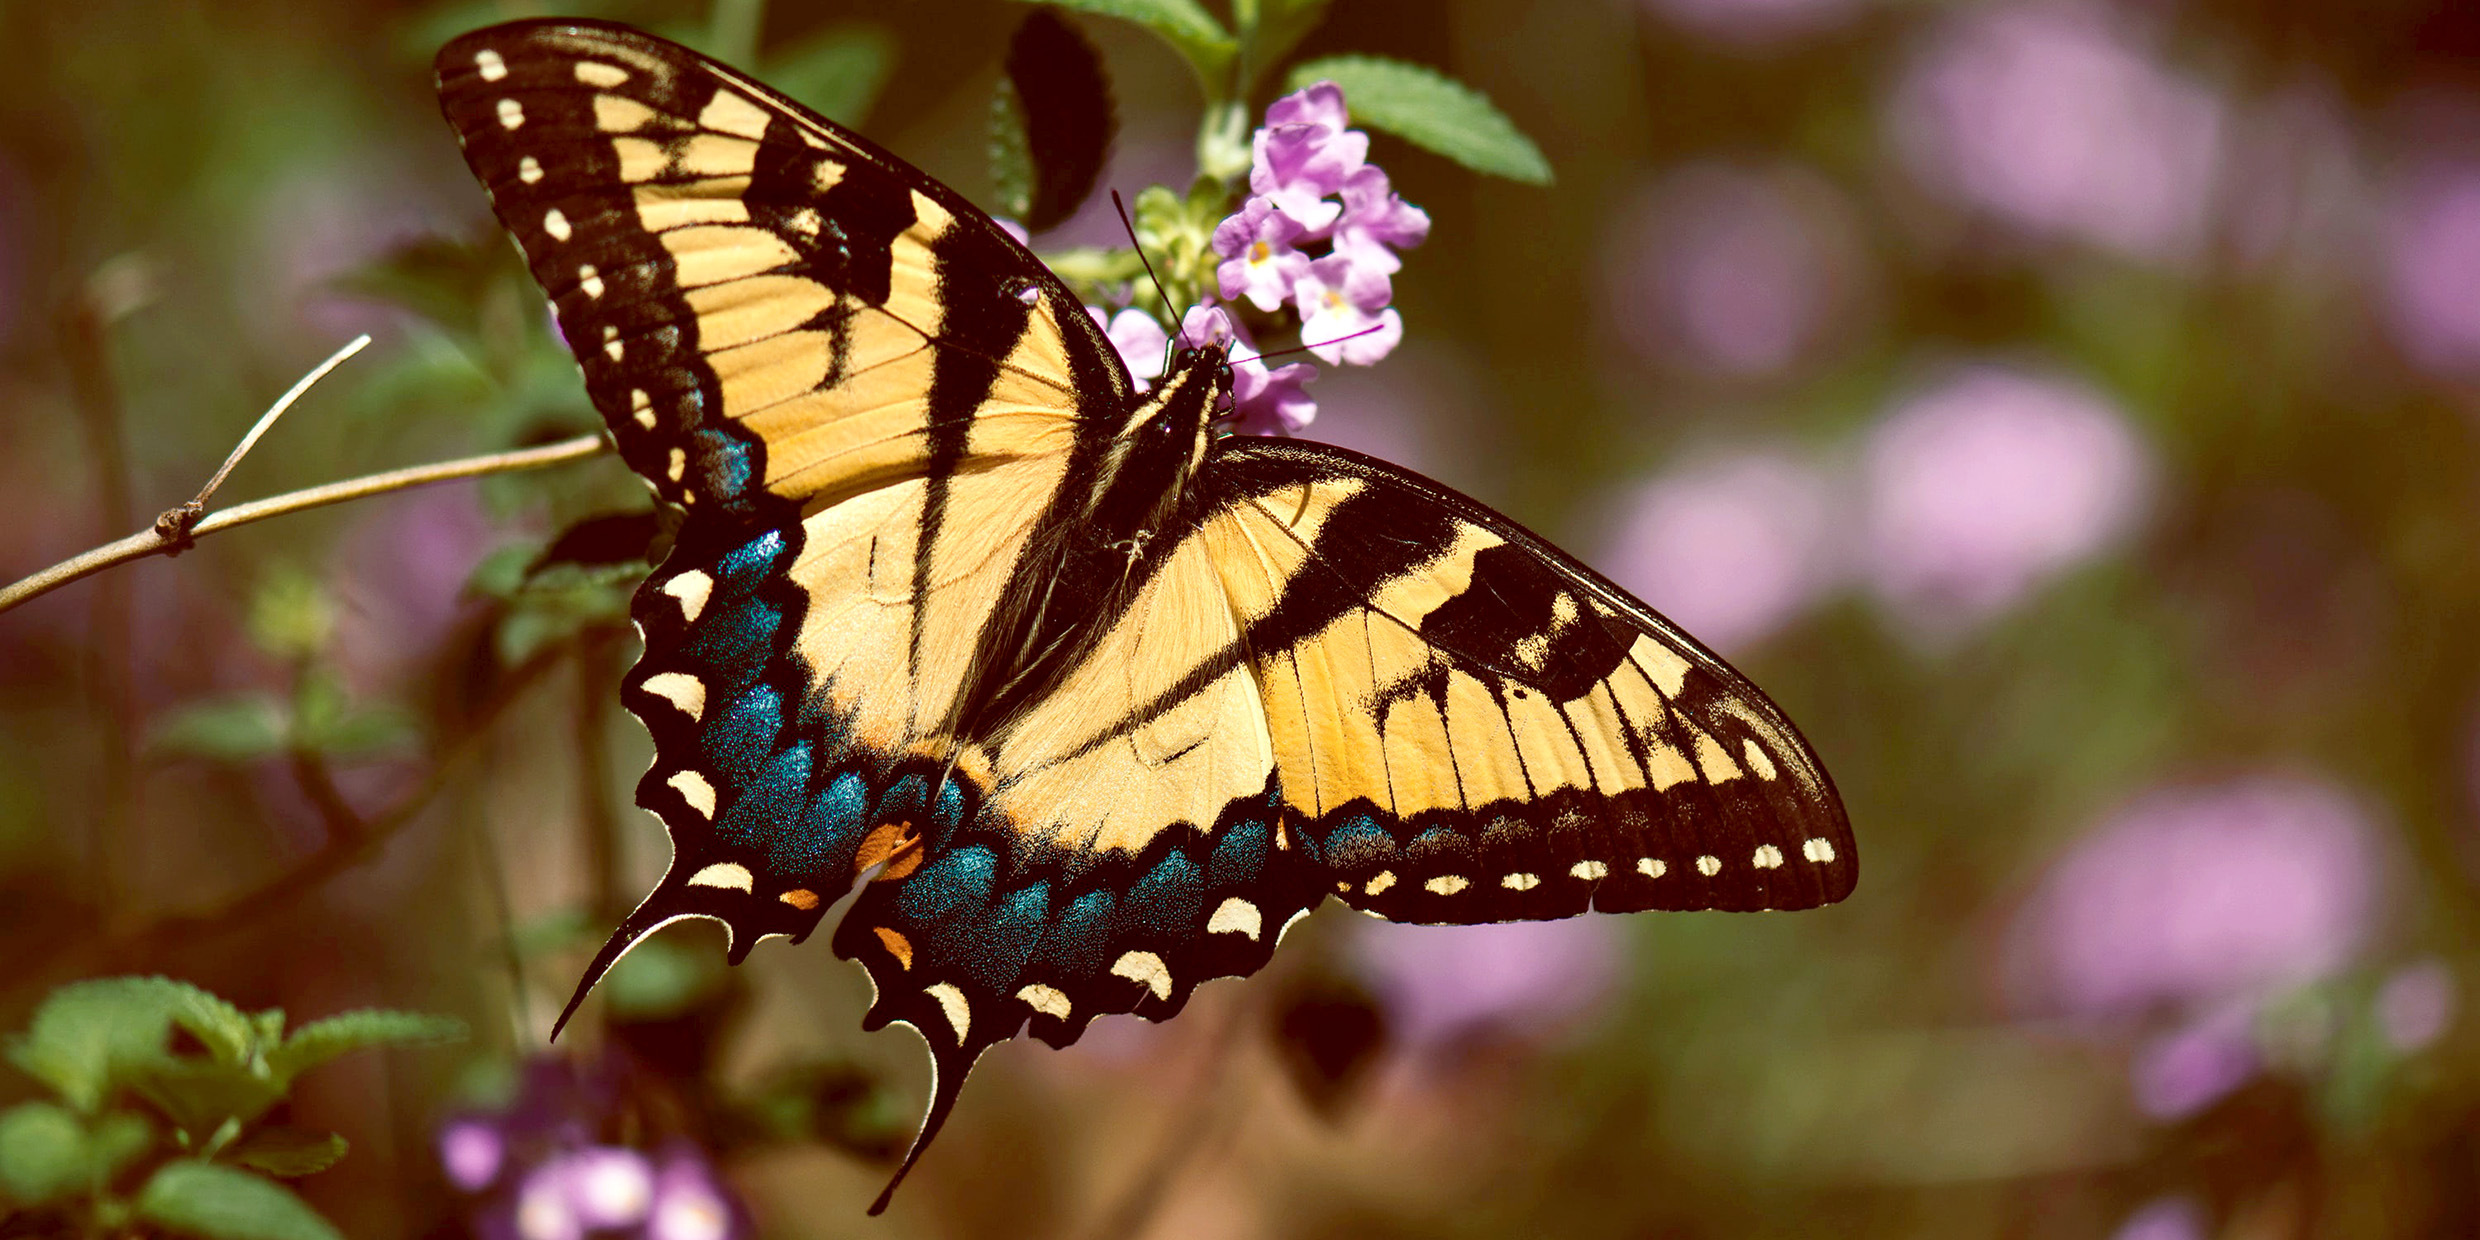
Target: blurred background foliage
(2064, 409)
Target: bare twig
(175, 523)
(151, 542)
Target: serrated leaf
(1184, 24)
(201, 1096)
(1062, 101)
(88, 1037)
(288, 1153)
(837, 72)
(1430, 110)
(47, 1152)
(322, 1040)
(242, 728)
(223, 1203)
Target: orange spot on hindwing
(895, 843)
(801, 898)
(898, 946)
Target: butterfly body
(1092, 703)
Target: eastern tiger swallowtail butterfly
(1098, 702)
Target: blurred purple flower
(1732, 270)
(554, 1181)
(1344, 316)
(1375, 223)
(1989, 482)
(608, 1186)
(2200, 896)
(2164, 1218)
(2051, 117)
(689, 1204)
(1440, 984)
(1265, 401)
(544, 1209)
(1751, 22)
(1259, 262)
(1732, 548)
(2416, 1004)
(1013, 229)
(1141, 342)
(470, 1151)
(1303, 154)
(2432, 267)
(2186, 1070)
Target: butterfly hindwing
(764, 304)
(1471, 726)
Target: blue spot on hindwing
(1358, 841)
(766, 812)
(725, 459)
(1006, 938)
(739, 742)
(1076, 941)
(1238, 856)
(958, 882)
(1167, 899)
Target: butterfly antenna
(1170, 315)
(1303, 348)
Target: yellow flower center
(1260, 251)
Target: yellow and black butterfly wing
(1471, 726)
(765, 305)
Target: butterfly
(1091, 702)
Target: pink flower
(1734, 270)
(1443, 983)
(1987, 484)
(471, 1152)
(1375, 223)
(1303, 154)
(1259, 262)
(2199, 896)
(1732, 548)
(1344, 317)
(2432, 267)
(2185, 1071)
(609, 1186)
(1142, 345)
(2053, 119)
(2415, 1006)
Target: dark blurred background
(2064, 410)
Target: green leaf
(242, 728)
(1011, 153)
(322, 1040)
(288, 1153)
(47, 1152)
(222, 1203)
(1430, 110)
(88, 1037)
(291, 615)
(326, 721)
(1184, 24)
(660, 977)
(202, 1096)
(838, 72)
(1063, 108)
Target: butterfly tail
(945, 1085)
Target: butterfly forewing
(1473, 727)
(764, 304)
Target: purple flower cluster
(539, 1173)
(1318, 232)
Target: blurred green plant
(159, 1124)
